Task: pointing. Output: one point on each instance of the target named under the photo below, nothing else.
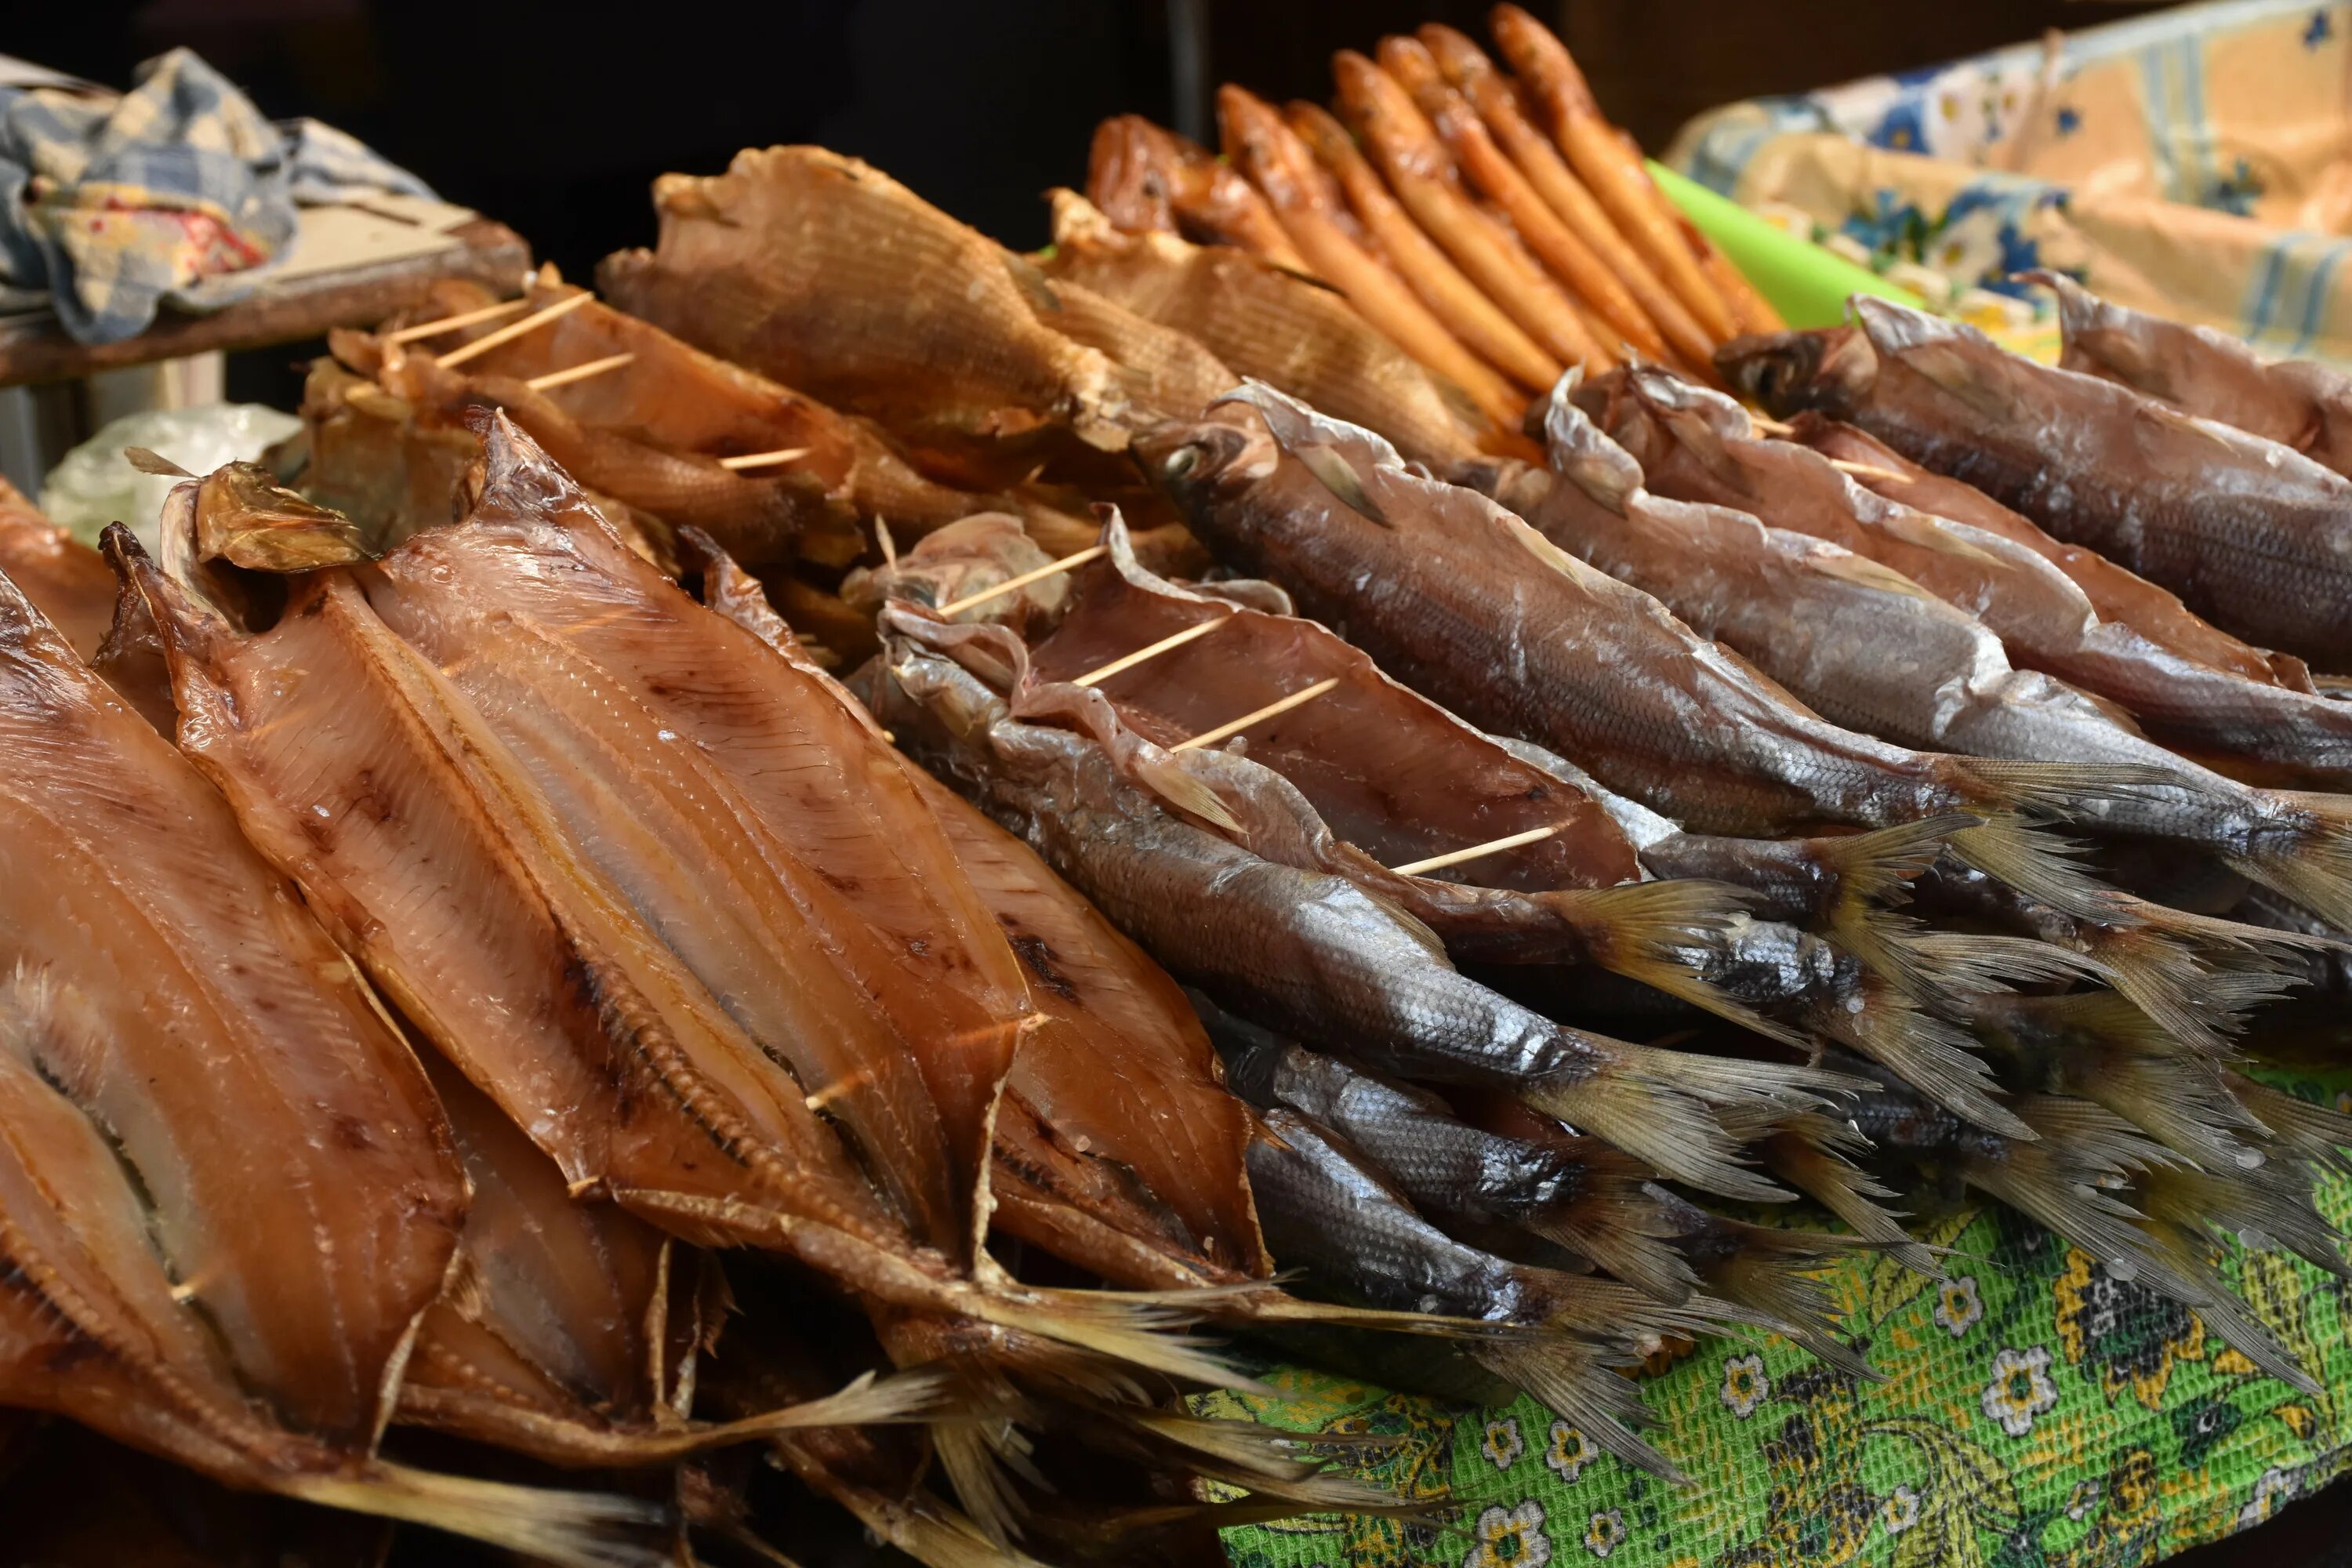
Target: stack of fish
(1491, 224)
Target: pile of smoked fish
(804, 892)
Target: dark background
(555, 120)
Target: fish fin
(1768, 1273)
(1874, 867)
(1831, 560)
(2319, 1134)
(1917, 528)
(1935, 1058)
(2311, 861)
(1131, 1328)
(1164, 774)
(2178, 1262)
(1564, 1377)
(1810, 1152)
(1624, 1226)
(1670, 1130)
(2275, 1205)
(1331, 470)
(580, 1529)
(919, 1524)
(1639, 930)
(972, 1454)
(2021, 856)
(2163, 977)
(1937, 350)
(1269, 1462)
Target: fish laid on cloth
(2202, 370)
(1292, 943)
(1869, 647)
(2253, 535)
(1456, 597)
(222, 1266)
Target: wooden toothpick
(507, 334)
(762, 459)
(555, 378)
(1492, 847)
(1298, 698)
(1868, 471)
(1014, 585)
(1151, 650)
(451, 323)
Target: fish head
(1786, 372)
(1196, 461)
(1581, 454)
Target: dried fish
(66, 580)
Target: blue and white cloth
(177, 190)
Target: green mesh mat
(2034, 1410)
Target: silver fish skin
(2253, 535)
(1304, 952)
(2206, 371)
(1868, 648)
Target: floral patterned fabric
(2192, 163)
(2035, 1410)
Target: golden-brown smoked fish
(66, 580)
(227, 1190)
(1147, 180)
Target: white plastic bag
(93, 485)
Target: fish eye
(1182, 461)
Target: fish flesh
(2206, 371)
(2251, 535)
(825, 274)
(1787, 593)
(1504, 113)
(1401, 142)
(1276, 326)
(1309, 202)
(611, 931)
(1296, 946)
(223, 1267)
(66, 580)
(1461, 600)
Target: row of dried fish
(1493, 226)
(698, 963)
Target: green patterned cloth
(2035, 1410)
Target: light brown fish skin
(825, 274)
(2253, 536)
(66, 580)
(1697, 445)
(1497, 99)
(1610, 304)
(1600, 672)
(1259, 142)
(1277, 327)
(1149, 180)
(2206, 371)
(301, 1192)
(1422, 173)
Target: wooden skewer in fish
(762, 460)
(1279, 706)
(1149, 650)
(1475, 851)
(434, 327)
(1013, 585)
(508, 333)
(555, 378)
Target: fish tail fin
(2161, 969)
(1935, 1058)
(1622, 1223)
(2304, 851)
(1268, 1461)
(2179, 1263)
(1567, 1379)
(1133, 1329)
(919, 1525)
(2272, 1203)
(1614, 1311)
(1874, 867)
(2032, 860)
(580, 1529)
(1643, 930)
(2319, 1134)
(1812, 1153)
(1767, 1276)
(980, 1459)
(1654, 1104)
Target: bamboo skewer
(451, 323)
(1150, 650)
(508, 333)
(1280, 705)
(762, 459)
(1769, 425)
(555, 378)
(882, 537)
(1492, 847)
(1013, 585)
